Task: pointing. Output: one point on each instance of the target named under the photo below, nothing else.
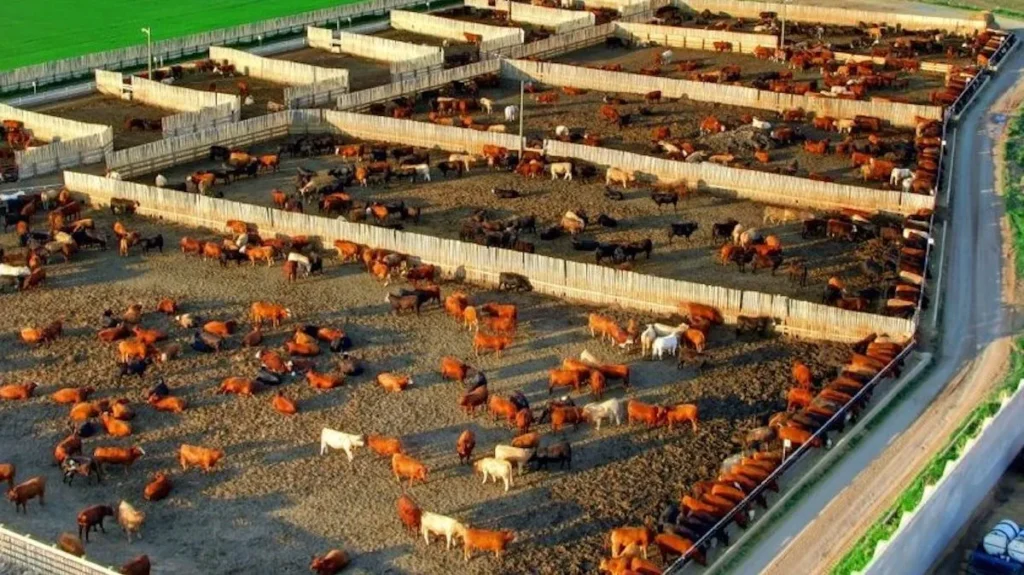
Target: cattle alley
(277, 496)
(363, 73)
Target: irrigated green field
(36, 31)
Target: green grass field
(36, 31)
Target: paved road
(825, 523)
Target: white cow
(161, 181)
(516, 455)
(487, 104)
(662, 345)
(666, 57)
(113, 174)
(491, 467)
(511, 113)
(561, 169)
(761, 124)
(750, 236)
(908, 184)
(668, 147)
(656, 330)
(497, 128)
(302, 260)
(434, 524)
(14, 271)
(249, 101)
(561, 131)
(897, 176)
(607, 409)
(422, 171)
(340, 440)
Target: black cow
(634, 249)
(607, 221)
(584, 244)
(219, 153)
(154, 243)
(724, 229)
(401, 303)
(560, 453)
(681, 229)
(137, 367)
(505, 194)
(665, 198)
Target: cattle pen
(609, 209)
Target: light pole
(782, 40)
(149, 50)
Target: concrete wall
(924, 535)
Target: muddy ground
(363, 73)
(280, 501)
(921, 84)
(262, 91)
(447, 203)
(456, 53)
(581, 114)
(110, 111)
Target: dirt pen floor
(262, 91)
(455, 53)
(581, 114)
(110, 111)
(274, 501)
(448, 203)
(363, 73)
(498, 19)
(846, 39)
(920, 84)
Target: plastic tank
(1016, 548)
(997, 541)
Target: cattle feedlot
(258, 335)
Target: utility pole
(522, 110)
(782, 40)
(149, 50)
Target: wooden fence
(71, 143)
(931, 67)
(362, 99)
(559, 43)
(154, 156)
(31, 556)
(844, 16)
(422, 134)
(563, 75)
(178, 98)
(677, 37)
(280, 71)
(562, 21)
(109, 83)
(405, 58)
(494, 37)
(318, 93)
(136, 56)
(559, 278)
(749, 184)
(191, 122)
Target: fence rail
(27, 553)
(405, 58)
(420, 134)
(280, 71)
(559, 43)
(844, 16)
(551, 276)
(60, 70)
(178, 98)
(191, 122)
(562, 21)
(493, 37)
(362, 99)
(754, 185)
(564, 75)
(693, 39)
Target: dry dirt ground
(261, 90)
(110, 111)
(447, 203)
(363, 73)
(498, 19)
(274, 501)
(838, 37)
(453, 50)
(921, 84)
(581, 114)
